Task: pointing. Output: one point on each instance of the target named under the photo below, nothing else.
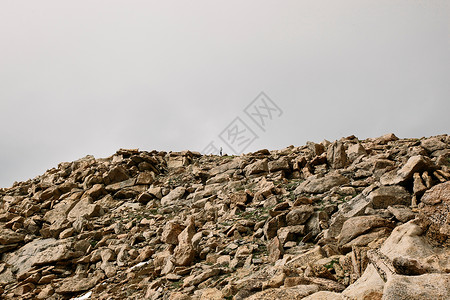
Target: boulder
(40, 252)
(384, 139)
(8, 236)
(438, 194)
(299, 215)
(369, 286)
(409, 247)
(432, 144)
(401, 213)
(388, 196)
(146, 178)
(85, 208)
(61, 209)
(260, 166)
(275, 250)
(427, 286)
(114, 187)
(96, 191)
(281, 164)
(357, 226)
(324, 295)
(292, 293)
(116, 174)
(290, 233)
(78, 283)
(171, 232)
(321, 185)
(174, 195)
(306, 258)
(355, 150)
(184, 253)
(336, 155)
(435, 213)
(417, 163)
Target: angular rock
(145, 197)
(145, 178)
(321, 185)
(257, 167)
(336, 155)
(401, 213)
(77, 284)
(196, 279)
(116, 174)
(388, 196)
(85, 208)
(60, 210)
(299, 215)
(184, 253)
(417, 163)
(297, 292)
(171, 232)
(306, 258)
(8, 236)
(114, 187)
(356, 226)
(432, 144)
(389, 137)
(211, 294)
(275, 250)
(437, 194)
(174, 195)
(96, 191)
(368, 286)
(407, 241)
(281, 164)
(324, 295)
(40, 252)
(418, 186)
(435, 214)
(355, 151)
(427, 286)
(290, 233)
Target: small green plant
(330, 265)
(240, 188)
(292, 196)
(292, 185)
(177, 284)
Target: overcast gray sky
(90, 77)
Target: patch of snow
(139, 265)
(84, 297)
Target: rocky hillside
(352, 219)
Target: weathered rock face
(427, 286)
(77, 284)
(368, 286)
(184, 253)
(435, 213)
(40, 252)
(386, 196)
(349, 219)
(414, 164)
(174, 195)
(357, 226)
(336, 155)
(321, 185)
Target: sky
(90, 77)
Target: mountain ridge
(349, 219)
